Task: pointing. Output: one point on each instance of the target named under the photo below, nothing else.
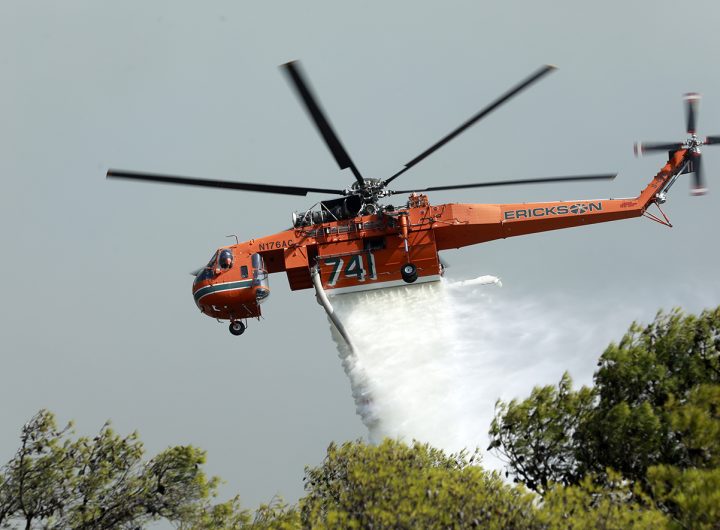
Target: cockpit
(222, 260)
(252, 269)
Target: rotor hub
(693, 144)
(370, 190)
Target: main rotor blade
(608, 176)
(230, 185)
(292, 70)
(692, 100)
(640, 148)
(484, 112)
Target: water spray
(429, 361)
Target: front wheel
(409, 273)
(237, 328)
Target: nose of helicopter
(226, 298)
(218, 301)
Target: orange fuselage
(367, 252)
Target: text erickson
(545, 211)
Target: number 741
(355, 268)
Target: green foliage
(223, 516)
(625, 438)
(653, 415)
(696, 424)
(398, 486)
(641, 381)
(115, 488)
(692, 495)
(590, 505)
(537, 436)
(276, 515)
(640, 449)
(668, 357)
(393, 485)
(36, 483)
(54, 481)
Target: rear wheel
(409, 273)
(237, 328)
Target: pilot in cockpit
(225, 259)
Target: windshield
(211, 263)
(209, 270)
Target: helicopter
(356, 242)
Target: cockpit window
(244, 271)
(225, 259)
(208, 272)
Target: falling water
(429, 361)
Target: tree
(57, 482)
(54, 481)
(393, 485)
(653, 415)
(537, 437)
(639, 449)
(397, 486)
(640, 383)
(36, 483)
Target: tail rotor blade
(692, 101)
(712, 140)
(641, 148)
(698, 186)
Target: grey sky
(98, 320)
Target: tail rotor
(692, 144)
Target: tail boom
(461, 225)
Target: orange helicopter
(356, 243)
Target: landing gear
(409, 273)
(237, 327)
